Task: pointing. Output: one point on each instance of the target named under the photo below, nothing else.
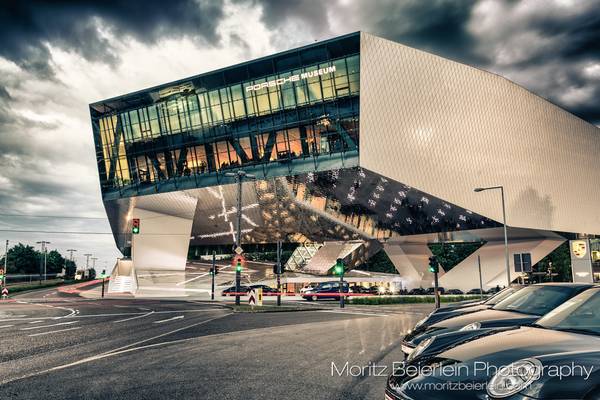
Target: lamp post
(481, 189)
(239, 177)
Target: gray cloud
(28, 27)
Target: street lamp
(481, 189)
(87, 263)
(239, 177)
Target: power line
(50, 216)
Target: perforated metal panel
(446, 128)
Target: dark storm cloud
(26, 27)
(543, 46)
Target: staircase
(301, 256)
(325, 258)
(121, 284)
(123, 278)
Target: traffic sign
(239, 258)
(5, 292)
(256, 297)
(238, 250)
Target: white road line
(169, 319)
(132, 318)
(36, 322)
(352, 312)
(6, 326)
(48, 326)
(193, 279)
(120, 314)
(60, 330)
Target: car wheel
(314, 298)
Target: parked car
(476, 291)
(308, 287)
(359, 289)
(431, 290)
(326, 290)
(520, 362)
(461, 308)
(521, 308)
(454, 291)
(267, 290)
(230, 291)
(417, 292)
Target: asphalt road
(55, 346)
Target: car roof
(567, 284)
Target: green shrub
(372, 300)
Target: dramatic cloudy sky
(56, 57)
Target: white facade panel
(446, 128)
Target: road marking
(193, 279)
(132, 318)
(352, 312)
(122, 314)
(36, 322)
(6, 326)
(48, 326)
(169, 319)
(60, 330)
(114, 352)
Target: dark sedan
(267, 290)
(555, 358)
(463, 308)
(521, 308)
(325, 290)
(230, 291)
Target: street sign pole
(238, 274)
(436, 290)
(480, 278)
(103, 279)
(212, 287)
(278, 272)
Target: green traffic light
(135, 230)
(238, 267)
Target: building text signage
(293, 78)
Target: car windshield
(579, 314)
(501, 295)
(536, 300)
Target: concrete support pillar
(412, 262)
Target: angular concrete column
(162, 243)
(412, 262)
(465, 275)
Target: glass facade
(278, 124)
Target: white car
(306, 288)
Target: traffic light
(135, 227)
(214, 271)
(238, 267)
(339, 267)
(1, 275)
(434, 266)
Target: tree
(55, 262)
(23, 259)
(561, 264)
(70, 269)
(451, 254)
(92, 273)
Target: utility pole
(45, 251)
(5, 266)
(94, 263)
(239, 176)
(71, 259)
(87, 263)
(549, 270)
(279, 272)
